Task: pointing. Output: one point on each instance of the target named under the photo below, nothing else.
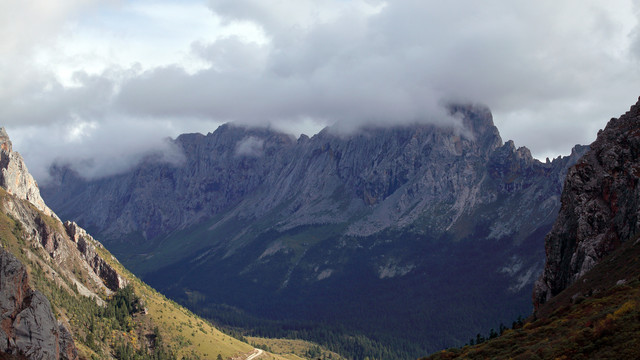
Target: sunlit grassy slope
(184, 332)
(293, 349)
(97, 335)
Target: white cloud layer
(124, 75)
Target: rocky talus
(600, 206)
(27, 325)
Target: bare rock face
(458, 181)
(27, 325)
(15, 178)
(28, 328)
(87, 247)
(386, 177)
(600, 206)
(43, 227)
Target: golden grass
(183, 332)
(293, 349)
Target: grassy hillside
(598, 317)
(185, 334)
(293, 349)
(134, 322)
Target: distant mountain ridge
(390, 176)
(428, 212)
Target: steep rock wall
(15, 178)
(27, 325)
(600, 206)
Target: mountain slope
(587, 299)
(50, 270)
(601, 206)
(603, 325)
(414, 217)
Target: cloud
(552, 72)
(45, 100)
(94, 149)
(250, 146)
(376, 62)
(634, 37)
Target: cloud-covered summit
(128, 74)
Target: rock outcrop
(29, 328)
(27, 325)
(63, 244)
(600, 206)
(15, 178)
(86, 245)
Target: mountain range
(397, 241)
(64, 296)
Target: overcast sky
(99, 83)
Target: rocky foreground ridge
(27, 326)
(600, 206)
(16, 179)
(64, 244)
(64, 296)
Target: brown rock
(27, 325)
(600, 206)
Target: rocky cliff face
(67, 246)
(380, 178)
(15, 177)
(57, 288)
(42, 226)
(600, 206)
(66, 253)
(27, 325)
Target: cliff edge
(600, 207)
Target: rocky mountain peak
(479, 121)
(634, 111)
(600, 206)
(257, 209)
(5, 142)
(15, 177)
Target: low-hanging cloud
(552, 73)
(250, 146)
(95, 149)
